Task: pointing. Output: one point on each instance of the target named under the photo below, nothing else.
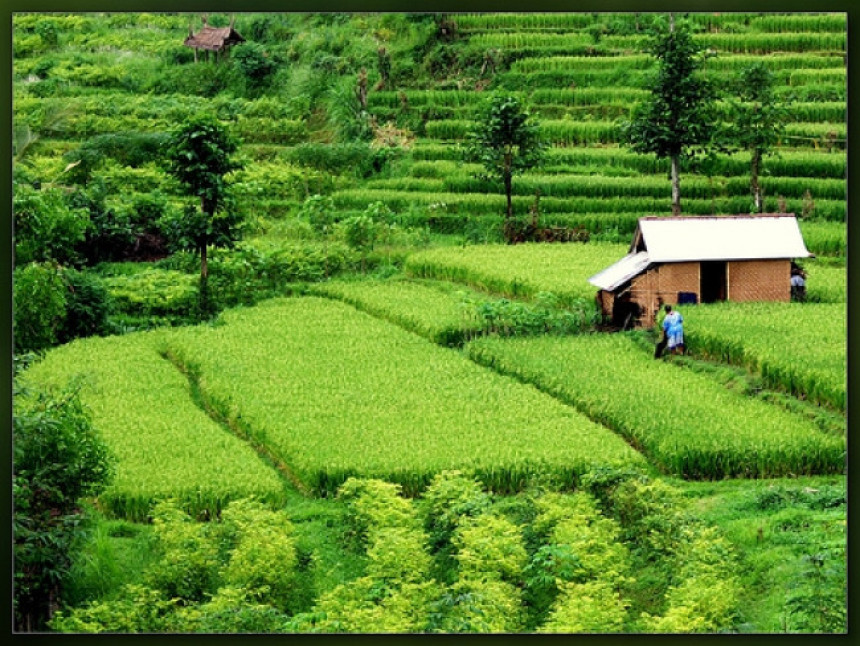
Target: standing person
(798, 283)
(673, 328)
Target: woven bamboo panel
(759, 280)
(661, 284)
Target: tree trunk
(754, 183)
(204, 280)
(507, 176)
(676, 186)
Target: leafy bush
(153, 292)
(58, 459)
(39, 306)
(47, 227)
(450, 499)
(87, 306)
(359, 159)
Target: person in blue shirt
(673, 328)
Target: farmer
(798, 283)
(673, 329)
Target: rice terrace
(349, 322)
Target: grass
(775, 525)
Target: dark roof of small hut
(214, 38)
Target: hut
(700, 259)
(213, 39)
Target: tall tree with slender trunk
(199, 157)
(757, 121)
(679, 118)
(505, 141)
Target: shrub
(451, 499)
(39, 306)
(58, 459)
(188, 567)
(87, 306)
(47, 227)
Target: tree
(505, 141)
(757, 121)
(198, 156)
(679, 118)
(58, 459)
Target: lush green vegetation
(333, 392)
(165, 445)
(350, 133)
(798, 349)
(677, 418)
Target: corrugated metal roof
(733, 237)
(615, 275)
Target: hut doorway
(713, 282)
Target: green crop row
(826, 284)
(336, 393)
(520, 271)
(520, 40)
(818, 23)
(744, 43)
(567, 132)
(677, 417)
(559, 131)
(641, 186)
(436, 312)
(788, 163)
(462, 203)
(166, 447)
(825, 238)
(797, 347)
(522, 21)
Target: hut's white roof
(615, 275)
(733, 237)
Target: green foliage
(356, 158)
(58, 459)
(590, 607)
(264, 557)
(678, 117)
(188, 563)
(374, 504)
(236, 575)
(87, 306)
(480, 606)
(653, 405)
(489, 547)
(388, 422)
(255, 63)
(47, 227)
(153, 292)
(450, 499)
(39, 306)
(199, 157)
(318, 210)
(140, 609)
(164, 444)
(504, 141)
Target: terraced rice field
(165, 445)
(687, 423)
(334, 392)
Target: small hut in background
(700, 259)
(213, 39)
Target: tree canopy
(678, 119)
(505, 141)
